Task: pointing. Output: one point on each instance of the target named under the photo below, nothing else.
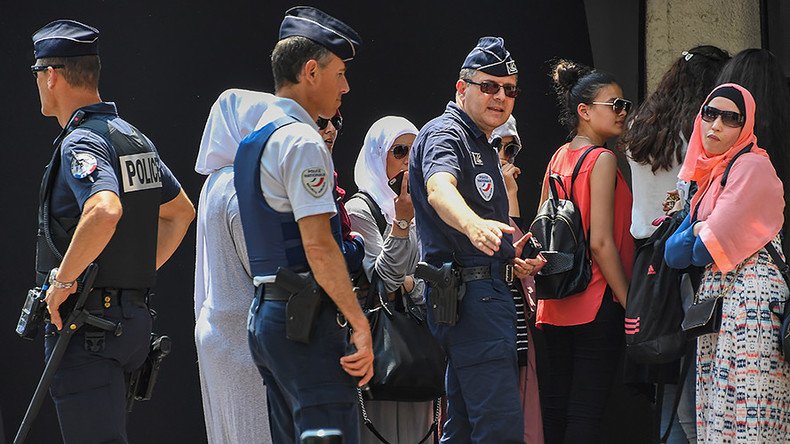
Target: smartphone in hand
(395, 182)
(531, 249)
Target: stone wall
(673, 26)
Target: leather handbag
(704, 317)
(409, 364)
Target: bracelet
(53, 282)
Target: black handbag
(409, 364)
(704, 317)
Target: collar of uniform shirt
(96, 108)
(295, 110)
(464, 118)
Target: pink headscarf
(746, 214)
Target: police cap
(491, 57)
(65, 38)
(321, 28)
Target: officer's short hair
(466, 73)
(289, 56)
(79, 71)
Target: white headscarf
(233, 116)
(506, 129)
(370, 172)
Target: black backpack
(654, 313)
(558, 228)
(655, 309)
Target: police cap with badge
(323, 29)
(491, 57)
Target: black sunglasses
(728, 118)
(400, 151)
(36, 68)
(489, 87)
(618, 105)
(337, 122)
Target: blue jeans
(684, 428)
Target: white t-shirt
(649, 191)
(297, 173)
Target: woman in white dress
(234, 398)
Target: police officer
(461, 212)
(284, 184)
(106, 198)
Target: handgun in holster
(302, 307)
(446, 290)
(142, 381)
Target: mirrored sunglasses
(728, 118)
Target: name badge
(140, 172)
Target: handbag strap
(433, 429)
(375, 210)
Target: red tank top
(581, 308)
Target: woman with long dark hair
(658, 132)
(584, 332)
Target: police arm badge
(83, 165)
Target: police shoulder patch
(315, 181)
(485, 186)
(82, 164)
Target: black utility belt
(107, 297)
(503, 271)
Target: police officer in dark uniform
(283, 174)
(106, 198)
(461, 212)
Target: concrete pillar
(672, 26)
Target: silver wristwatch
(403, 224)
(56, 283)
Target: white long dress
(234, 397)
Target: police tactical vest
(273, 238)
(129, 259)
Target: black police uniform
(101, 152)
(482, 373)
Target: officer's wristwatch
(403, 224)
(56, 283)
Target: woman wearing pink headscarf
(743, 382)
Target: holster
(303, 304)
(142, 381)
(446, 290)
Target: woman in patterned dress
(743, 381)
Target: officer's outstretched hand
(360, 363)
(486, 235)
(55, 297)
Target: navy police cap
(65, 38)
(321, 28)
(491, 57)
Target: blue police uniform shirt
(452, 143)
(78, 179)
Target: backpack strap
(375, 210)
(578, 168)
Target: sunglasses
(36, 68)
(337, 122)
(728, 118)
(618, 105)
(400, 151)
(489, 87)
(511, 149)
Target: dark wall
(164, 63)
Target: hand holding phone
(396, 182)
